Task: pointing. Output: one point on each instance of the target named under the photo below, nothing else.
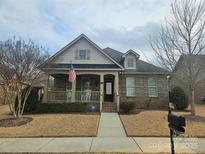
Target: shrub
(61, 107)
(179, 98)
(31, 101)
(147, 103)
(127, 106)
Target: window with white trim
(152, 87)
(82, 54)
(130, 62)
(130, 86)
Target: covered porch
(89, 87)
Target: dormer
(130, 59)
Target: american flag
(71, 74)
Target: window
(130, 86)
(86, 83)
(152, 87)
(130, 62)
(82, 54)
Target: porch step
(109, 107)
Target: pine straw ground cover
(54, 125)
(154, 123)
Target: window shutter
(88, 54)
(77, 54)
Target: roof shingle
(142, 66)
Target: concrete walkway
(110, 126)
(111, 138)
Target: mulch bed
(12, 122)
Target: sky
(119, 24)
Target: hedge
(65, 107)
(127, 106)
(33, 105)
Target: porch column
(117, 91)
(73, 91)
(45, 93)
(101, 90)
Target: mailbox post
(171, 134)
(176, 127)
(176, 123)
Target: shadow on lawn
(196, 118)
(136, 111)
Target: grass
(52, 125)
(4, 112)
(87, 153)
(154, 123)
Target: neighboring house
(180, 75)
(104, 76)
(2, 100)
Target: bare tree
(19, 62)
(183, 35)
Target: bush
(62, 107)
(147, 103)
(31, 101)
(127, 106)
(179, 98)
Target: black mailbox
(202, 99)
(176, 123)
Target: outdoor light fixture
(168, 77)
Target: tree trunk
(28, 91)
(193, 110)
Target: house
(104, 76)
(2, 100)
(181, 72)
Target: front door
(108, 90)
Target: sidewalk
(110, 126)
(95, 144)
(111, 138)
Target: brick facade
(141, 88)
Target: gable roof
(200, 57)
(142, 66)
(131, 51)
(74, 41)
(115, 56)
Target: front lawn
(154, 123)
(4, 112)
(53, 125)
